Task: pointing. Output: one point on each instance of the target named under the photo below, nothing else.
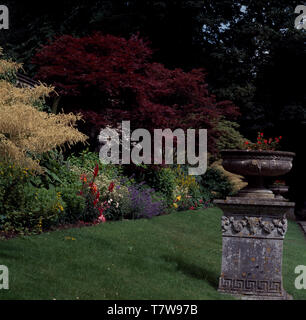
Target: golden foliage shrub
(25, 131)
(237, 181)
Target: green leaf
(53, 175)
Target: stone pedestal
(253, 231)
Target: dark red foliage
(117, 81)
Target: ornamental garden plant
(143, 226)
(264, 143)
(110, 79)
(46, 183)
(258, 162)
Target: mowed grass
(176, 256)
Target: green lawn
(177, 256)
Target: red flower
(261, 134)
(93, 188)
(111, 187)
(246, 142)
(97, 198)
(83, 177)
(192, 208)
(265, 141)
(280, 137)
(95, 173)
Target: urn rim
(253, 153)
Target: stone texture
(255, 166)
(254, 226)
(252, 243)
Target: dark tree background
(253, 54)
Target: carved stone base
(252, 246)
(286, 296)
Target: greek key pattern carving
(254, 226)
(250, 286)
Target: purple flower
(143, 204)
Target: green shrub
(41, 210)
(13, 181)
(26, 207)
(161, 179)
(216, 184)
(74, 203)
(164, 183)
(230, 137)
(56, 171)
(119, 210)
(86, 160)
(187, 187)
(90, 212)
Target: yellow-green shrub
(26, 131)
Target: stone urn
(254, 225)
(255, 166)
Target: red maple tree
(114, 79)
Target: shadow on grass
(194, 271)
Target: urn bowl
(255, 165)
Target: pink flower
(102, 218)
